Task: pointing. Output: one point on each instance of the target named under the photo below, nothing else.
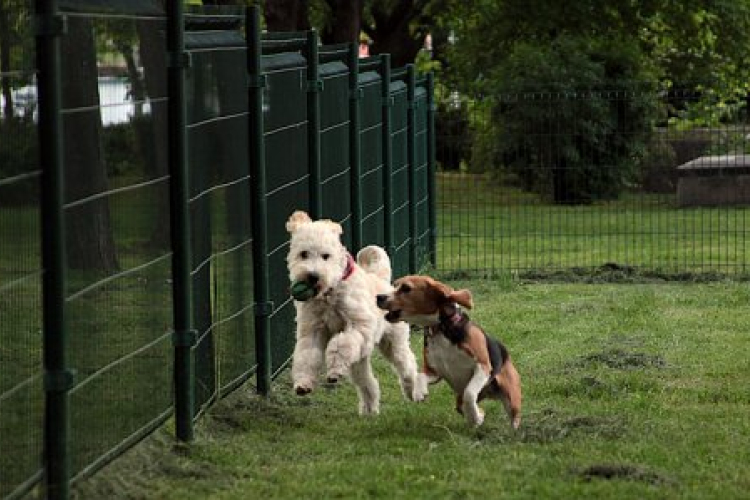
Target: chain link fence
(635, 180)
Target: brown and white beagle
(456, 349)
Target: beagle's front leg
(474, 415)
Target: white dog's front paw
(369, 407)
(334, 375)
(337, 369)
(303, 387)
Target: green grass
(485, 226)
(631, 391)
(647, 382)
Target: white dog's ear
(335, 227)
(297, 219)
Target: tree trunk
(90, 243)
(345, 22)
(153, 56)
(5, 63)
(391, 32)
(286, 15)
(137, 91)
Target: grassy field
(631, 391)
(644, 383)
(502, 227)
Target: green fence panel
(149, 180)
(219, 205)
(371, 158)
(285, 136)
(334, 146)
(118, 300)
(399, 178)
(21, 391)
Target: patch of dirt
(624, 360)
(623, 471)
(550, 426)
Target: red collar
(350, 267)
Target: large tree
(90, 242)
(5, 45)
(684, 40)
(287, 15)
(537, 59)
(397, 27)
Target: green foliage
(560, 113)
(18, 156)
(124, 148)
(697, 47)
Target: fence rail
(169, 157)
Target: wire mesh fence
(21, 375)
(148, 167)
(633, 180)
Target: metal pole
(58, 377)
(431, 188)
(355, 147)
(412, 159)
(314, 87)
(257, 157)
(184, 338)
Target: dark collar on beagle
(452, 324)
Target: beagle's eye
(326, 256)
(304, 254)
(404, 288)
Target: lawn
(502, 227)
(631, 391)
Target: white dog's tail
(374, 260)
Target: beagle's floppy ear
(296, 220)
(462, 297)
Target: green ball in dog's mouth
(302, 291)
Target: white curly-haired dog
(338, 319)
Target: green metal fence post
(411, 150)
(431, 189)
(314, 87)
(58, 376)
(385, 75)
(185, 336)
(257, 158)
(355, 146)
